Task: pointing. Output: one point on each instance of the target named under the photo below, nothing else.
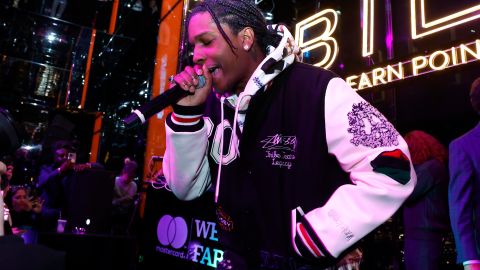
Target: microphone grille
(201, 81)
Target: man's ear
(246, 38)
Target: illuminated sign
(175, 240)
(367, 27)
(172, 233)
(327, 18)
(426, 28)
(438, 60)
(204, 254)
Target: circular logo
(172, 231)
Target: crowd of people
(37, 205)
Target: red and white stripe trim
(185, 120)
(308, 241)
(293, 228)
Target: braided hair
(238, 14)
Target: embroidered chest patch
(370, 128)
(281, 150)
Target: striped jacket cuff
(186, 118)
(307, 243)
(188, 110)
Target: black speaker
(18, 256)
(9, 133)
(89, 196)
(93, 251)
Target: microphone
(157, 104)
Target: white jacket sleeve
(185, 163)
(369, 148)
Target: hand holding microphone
(191, 88)
(198, 81)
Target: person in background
(3, 208)
(464, 190)
(5, 176)
(6, 173)
(302, 167)
(124, 194)
(53, 181)
(25, 211)
(125, 188)
(425, 213)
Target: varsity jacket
(306, 170)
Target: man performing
(301, 165)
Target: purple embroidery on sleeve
(370, 128)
